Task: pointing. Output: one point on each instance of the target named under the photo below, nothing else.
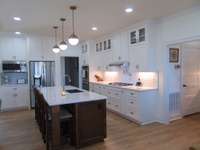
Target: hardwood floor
(18, 131)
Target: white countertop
(53, 96)
(133, 87)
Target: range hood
(119, 64)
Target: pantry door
(190, 81)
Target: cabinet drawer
(109, 103)
(132, 102)
(131, 94)
(116, 93)
(116, 104)
(132, 113)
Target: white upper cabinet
(21, 51)
(40, 48)
(120, 47)
(13, 48)
(142, 48)
(137, 35)
(35, 48)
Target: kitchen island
(88, 111)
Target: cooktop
(120, 84)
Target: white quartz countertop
(133, 87)
(54, 97)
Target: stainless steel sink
(74, 91)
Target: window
(133, 39)
(142, 35)
(100, 46)
(109, 44)
(97, 47)
(105, 45)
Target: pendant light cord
(55, 27)
(73, 20)
(63, 30)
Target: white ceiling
(38, 16)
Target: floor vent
(174, 105)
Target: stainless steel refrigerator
(42, 73)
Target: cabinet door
(20, 48)
(116, 104)
(109, 103)
(120, 47)
(91, 124)
(35, 48)
(12, 48)
(22, 99)
(139, 57)
(6, 49)
(8, 97)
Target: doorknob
(184, 85)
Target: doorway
(190, 78)
(70, 71)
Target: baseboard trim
(15, 109)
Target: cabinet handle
(116, 105)
(132, 93)
(132, 113)
(132, 102)
(108, 102)
(14, 88)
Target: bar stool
(65, 123)
(0, 104)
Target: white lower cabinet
(14, 97)
(138, 106)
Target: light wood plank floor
(18, 131)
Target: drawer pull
(132, 113)
(132, 102)
(132, 93)
(109, 103)
(116, 105)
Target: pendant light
(63, 45)
(56, 49)
(73, 39)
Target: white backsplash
(148, 79)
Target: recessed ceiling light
(18, 33)
(129, 10)
(17, 18)
(94, 28)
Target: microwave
(14, 66)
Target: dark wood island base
(87, 123)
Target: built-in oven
(14, 66)
(85, 77)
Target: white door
(190, 81)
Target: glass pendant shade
(73, 40)
(56, 49)
(63, 45)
